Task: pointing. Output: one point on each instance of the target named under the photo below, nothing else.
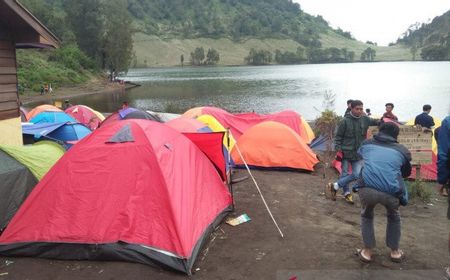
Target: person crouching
(386, 163)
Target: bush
(419, 189)
(72, 57)
(35, 68)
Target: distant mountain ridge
(432, 39)
(165, 30)
(437, 32)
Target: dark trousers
(369, 199)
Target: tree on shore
(368, 54)
(261, 57)
(212, 57)
(197, 56)
(85, 20)
(435, 53)
(117, 49)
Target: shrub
(419, 189)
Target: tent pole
(230, 180)
(259, 190)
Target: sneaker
(332, 191)
(443, 191)
(349, 198)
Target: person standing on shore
(66, 105)
(352, 131)
(424, 119)
(388, 114)
(443, 165)
(386, 163)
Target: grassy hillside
(152, 51)
(392, 53)
(38, 67)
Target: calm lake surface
(301, 88)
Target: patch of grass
(420, 190)
(34, 69)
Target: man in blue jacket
(386, 163)
(443, 165)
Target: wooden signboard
(415, 139)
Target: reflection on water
(266, 89)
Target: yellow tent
(215, 126)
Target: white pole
(259, 190)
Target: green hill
(431, 40)
(166, 29)
(169, 29)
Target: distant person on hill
(349, 107)
(368, 113)
(386, 163)
(424, 119)
(388, 114)
(352, 131)
(66, 104)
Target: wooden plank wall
(9, 100)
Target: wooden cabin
(18, 29)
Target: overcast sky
(381, 21)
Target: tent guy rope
(259, 190)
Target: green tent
(16, 182)
(39, 157)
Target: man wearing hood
(352, 131)
(443, 165)
(386, 163)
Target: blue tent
(52, 117)
(62, 133)
(321, 144)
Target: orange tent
(273, 144)
(42, 108)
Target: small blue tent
(63, 132)
(52, 117)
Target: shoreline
(94, 86)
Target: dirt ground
(320, 240)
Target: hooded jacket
(386, 163)
(443, 163)
(352, 131)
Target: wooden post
(417, 167)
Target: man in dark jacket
(424, 119)
(386, 163)
(443, 165)
(351, 133)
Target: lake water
(301, 88)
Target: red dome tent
(133, 190)
(85, 115)
(239, 123)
